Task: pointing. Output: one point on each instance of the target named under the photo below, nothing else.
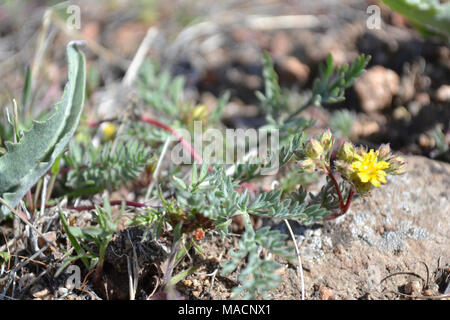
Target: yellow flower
(109, 130)
(200, 112)
(369, 169)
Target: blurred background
(403, 98)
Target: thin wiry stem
(299, 258)
(156, 172)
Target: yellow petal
(363, 176)
(375, 182)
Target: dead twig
(402, 273)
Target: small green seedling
(100, 235)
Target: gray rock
(398, 228)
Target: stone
(392, 230)
(325, 294)
(292, 69)
(413, 287)
(443, 93)
(376, 88)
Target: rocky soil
(391, 245)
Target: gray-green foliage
(442, 149)
(96, 169)
(272, 100)
(27, 161)
(428, 16)
(341, 123)
(215, 196)
(258, 276)
(333, 81)
(327, 89)
(160, 90)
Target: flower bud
(326, 140)
(344, 168)
(397, 165)
(200, 112)
(314, 149)
(307, 165)
(109, 130)
(384, 151)
(346, 152)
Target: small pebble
(62, 291)
(428, 293)
(187, 283)
(443, 93)
(413, 287)
(308, 233)
(327, 242)
(325, 294)
(41, 294)
(339, 249)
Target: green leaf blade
(27, 161)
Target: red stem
(187, 145)
(336, 186)
(147, 119)
(343, 206)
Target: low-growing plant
(189, 208)
(442, 147)
(341, 123)
(99, 234)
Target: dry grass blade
(18, 215)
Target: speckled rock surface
(397, 229)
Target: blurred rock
(443, 93)
(293, 70)
(423, 98)
(364, 127)
(426, 142)
(128, 37)
(376, 88)
(281, 44)
(91, 31)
